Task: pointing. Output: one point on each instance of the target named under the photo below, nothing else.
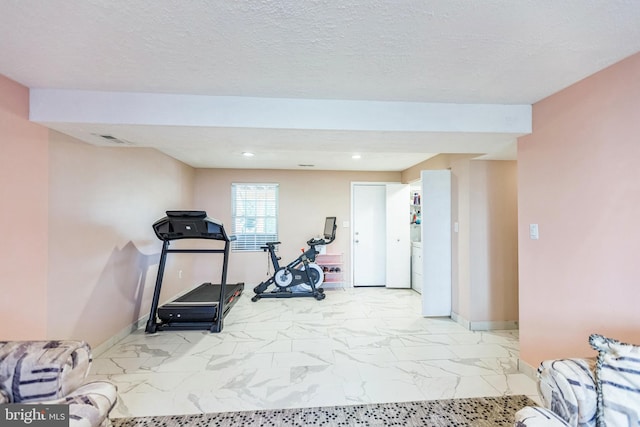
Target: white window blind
(255, 215)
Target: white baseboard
(527, 369)
(484, 326)
(124, 332)
(494, 325)
(460, 320)
(335, 285)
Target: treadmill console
(189, 225)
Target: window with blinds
(254, 216)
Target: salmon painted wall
(305, 199)
(579, 180)
(103, 253)
(493, 241)
(485, 248)
(23, 191)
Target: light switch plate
(533, 232)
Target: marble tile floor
(365, 345)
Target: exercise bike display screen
(330, 227)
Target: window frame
(260, 216)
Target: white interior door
(369, 235)
(398, 236)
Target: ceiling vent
(303, 165)
(112, 140)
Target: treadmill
(205, 306)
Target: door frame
(352, 222)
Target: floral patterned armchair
(54, 372)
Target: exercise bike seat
(267, 244)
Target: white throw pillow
(617, 382)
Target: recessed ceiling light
(356, 156)
(248, 154)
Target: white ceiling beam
(77, 106)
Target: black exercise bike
(302, 277)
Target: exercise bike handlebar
(329, 233)
(312, 242)
(318, 242)
(329, 236)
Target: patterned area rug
(477, 412)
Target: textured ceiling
(447, 51)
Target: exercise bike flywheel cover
(317, 277)
(283, 277)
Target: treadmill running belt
(206, 293)
(200, 304)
